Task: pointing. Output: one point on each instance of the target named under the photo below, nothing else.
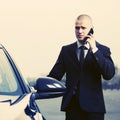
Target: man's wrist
(94, 49)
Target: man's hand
(92, 43)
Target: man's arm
(105, 63)
(58, 69)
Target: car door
(14, 91)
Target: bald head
(86, 18)
(83, 25)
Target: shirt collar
(79, 45)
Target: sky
(33, 31)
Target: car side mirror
(48, 87)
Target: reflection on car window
(8, 82)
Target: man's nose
(80, 30)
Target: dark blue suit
(95, 66)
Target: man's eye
(83, 28)
(77, 28)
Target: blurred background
(34, 31)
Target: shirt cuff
(95, 50)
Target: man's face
(82, 28)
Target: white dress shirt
(85, 50)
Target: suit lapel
(88, 55)
(73, 55)
(74, 58)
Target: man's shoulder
(70, 45)
(101, 46)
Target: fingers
(90, 36)
(91, 41)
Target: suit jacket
(96, 66)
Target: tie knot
(82, 47)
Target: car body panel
(16, 110)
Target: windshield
(8, 82)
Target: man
(84, 66)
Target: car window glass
(8, 80)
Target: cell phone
(90, 32)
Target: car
(17, 96)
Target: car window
(8, 81)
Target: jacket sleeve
(105, 63)
(58, 69)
